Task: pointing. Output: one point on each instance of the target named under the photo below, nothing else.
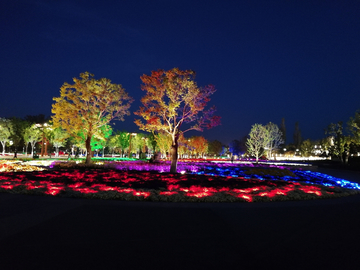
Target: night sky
(298, 60)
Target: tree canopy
(89, 104)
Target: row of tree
(22, 133)
(173, 104)
(338, 142)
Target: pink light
(246, 197)
(311, 190)
(141, 193)
(54, 190)
(168, 193)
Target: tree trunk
(88, 150)
(33, 144)
(27, 149)
(174, 155)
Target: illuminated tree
(354, 126)
(257, 141)
(98, 141)
(58, 139)
(32, 135)
(199, 145)
(17, 135)
(113, 144)
(275, 138)
(138, 143)
(306, 148)
(6, 130)
(151, 142)
(164, 142)
(183, 146)
(340, 144)
(124, 141)
(89, 104)
(172, 100)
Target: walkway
(43, 232)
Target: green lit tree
(32, 135)
(6, 130)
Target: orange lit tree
(87, 105)
(199, 145)
(173, 103)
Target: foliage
(258, 140)
(199, 145)
(138, 143)
(6, 129)
(275, 138)
(58, 139)
(184, 147)
(340, 144)
(32, 135)
(98, 141)
(37, 119)
(215, 148)
(306, 148)
(163, 141)
(124, 141)
(19, 126)
(151, 142)
(113, 143)
(89, 104)
(354, 126)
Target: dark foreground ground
(43, 232)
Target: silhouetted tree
(215, 148)
(297, 135)
(283, 130)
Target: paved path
(43, 232)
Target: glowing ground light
(145, 184)
(225, 179)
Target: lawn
(196, 182)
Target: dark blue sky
(268, 59)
